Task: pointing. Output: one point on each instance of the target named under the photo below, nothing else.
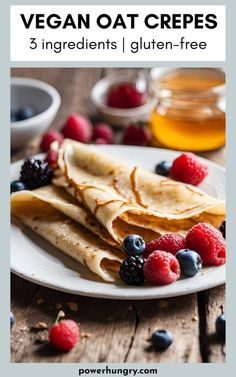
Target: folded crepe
(128, 199)
(57, 217)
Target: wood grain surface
(111, 331)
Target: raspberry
(101, 141)
(64, 335)
(136, 134)
(188, 169)
(51, 158)
(161, 268)
(125, 96)
(208, 242)
(78, 128)
(103, 131)
(48, 138)
(169, 242)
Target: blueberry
(220, 327)
(12, 319)
(162, 339)
(25, 112)
(14, 117)
(222, 229)
(190, 262)
(17, 186)
(163, 168)
(134, 245)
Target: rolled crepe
(122, 197)
(37, 211)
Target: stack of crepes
(96, 201)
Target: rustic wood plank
(178, 316)
(106, 327)
(215, 305)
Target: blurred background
(174, 108)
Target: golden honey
(189, 114)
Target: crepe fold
(57, 217)
(128, 199)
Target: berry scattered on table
(103, 131)
(100, 141)
(51, 158)
(161, 268)
(134, 244)
(190, 262)
(64, 335)
(163, 168)
(162, 339)
(48, 138)
(35, 173)
(25, 112)
(172, 243)
(78, 128)
(222, 229)
(12, 319)
(188, 168)
(125, 96)
(17, 186)
(131, 270)
(136, 134)
(220, 327)
(208, 242)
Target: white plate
(36, 260)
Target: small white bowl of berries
(122, 98)
(34, 105)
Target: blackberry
(35, 173)
(222, 229)
(131, 270)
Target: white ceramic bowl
(43, 98)
(115, 116)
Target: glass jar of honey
(190, 110)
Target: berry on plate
(12, 319)
(163, 168)
(78, 128)
(222, 229)
(172, 243)
(131, 270)
(133, 244)
(103, 131)
(208, 242)
(49, 137)
(17, 186)
(190, 262)
(162, 339)
(161, 268)
(64, 335)
(220, 327)
(125, 96)
(136, 134)
(35, 173)
(188, 168)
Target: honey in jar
(189, 114)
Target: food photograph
(118, 218)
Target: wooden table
(111, 331)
